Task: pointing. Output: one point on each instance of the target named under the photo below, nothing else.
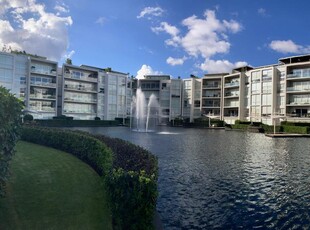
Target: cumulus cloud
(288, 46)
(34, 29)
(146, 70)
(175, 61)
(204, 37)
(220, 66)
(151, 11)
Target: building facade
(265, 94)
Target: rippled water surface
(227, 180)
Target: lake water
(226, 179)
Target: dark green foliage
(69, 122)
(204, 122)
(240, 126)
(88, 149)
(296, 129)
(10, 112)
(133, 199)
(132, 184)
(28, 117)
(97, 119)
(295, 123)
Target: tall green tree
(10, 122)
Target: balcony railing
(80, 88)
(40, 96)
(44, 84)
(217, 86)
(299, 75)
(80, 100)
(297, 89)
(231, 84)
(90, 79)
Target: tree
(69, 61)
(10, 113)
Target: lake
(227, 179)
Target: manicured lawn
(50, 189)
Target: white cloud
(61, 8)
(288, 46)
(146, 70)
(100, 20)
(175, 61)
(35, 30)
(261, 11)
(220, 66)
(205, 37)
(151, 11)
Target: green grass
(50, 189)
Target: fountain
(144, 116)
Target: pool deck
(286, 135)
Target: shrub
(10, 112)
(97, 119)
(296, 129)
(132, 184)
(28, 117)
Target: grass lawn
(51, 189)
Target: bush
(68, 122)
(296, 129)
(10, 112)
(28, 117)
(97, 119)
(132, 184)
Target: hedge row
(10, 111)
(131, 178)
(296, 129)
(88, 149)
(76, 123)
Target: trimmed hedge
(76, 123)
(10, 112)
(296, 129)
(88, 149)
(240, 126)
(131, 178)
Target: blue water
(217, 179)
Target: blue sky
(175, 37)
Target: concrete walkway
(285, 135)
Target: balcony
(79, 78)
(81, 100)
(43, 84)
(232, 84)
(299, 73)
(210, 86)
(80, 88)
(43, 97)
(298, 89)
(35, 70)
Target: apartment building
(191, 96)
(42, 98)
(32, 79)
(167, 91)
(90, 92)
(212, 95)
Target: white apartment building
(90, 92)
(191, 96)
(212, 95)
(167, 91)
(33, 80)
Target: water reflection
(219, 179)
